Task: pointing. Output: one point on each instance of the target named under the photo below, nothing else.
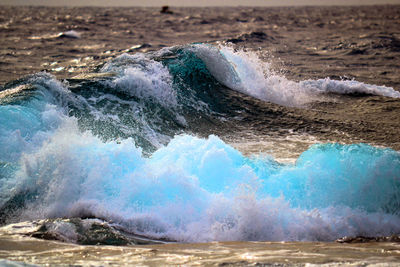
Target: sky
(194, 3)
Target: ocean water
(195, 143)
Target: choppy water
(197, 143)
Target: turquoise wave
(122, 147)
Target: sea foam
(198, 190)
(248, 74)
(142, 77)
(189, 188)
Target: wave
(200, 67)
(182, 193)
(155, 96)
(121, 145)
(246, 73)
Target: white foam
(143, 78)
(192, 190)
(348, 87)
(195, 189)
(248, 74)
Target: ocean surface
(200, 136)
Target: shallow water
(38, 252)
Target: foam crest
(348, 87)
(142, 78)
(246, 73)
(258, 80)
(203, 189)
(357, 176)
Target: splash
(181, 192)
(246, 73)
(120, 148)
(142, 78)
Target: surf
(130, 145)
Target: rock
(165, 10)
(89, 231)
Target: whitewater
(127, 145)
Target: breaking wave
(122, 146)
